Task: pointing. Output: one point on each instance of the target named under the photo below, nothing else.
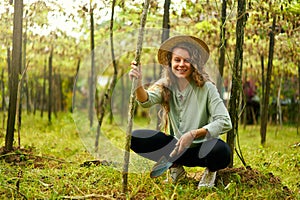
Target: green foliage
(49, 166)
(294, 7)
(69, 35)
(204, 26)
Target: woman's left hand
(183, 143)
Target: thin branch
(132, 98)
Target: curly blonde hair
(199, 76)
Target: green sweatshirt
(193, 108)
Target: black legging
(151, 144)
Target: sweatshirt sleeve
(219, 121)
(154, 96)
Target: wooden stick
(132, 98)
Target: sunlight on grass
(50, 166)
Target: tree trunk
(43, 97)
(18, 111)
(50, 87)
(60, 93)
(279, 109)
(25, 81)
(131, 106)
(55, 94)
(165, 35)
(9, 67)
(234, 102)
(298, 113)
(108, 91)
(14, 79)
(36, 96)
(123, 106)
(114, 80)
(263, 82)
(265, 103)
(166, 21)
(3, 107)
(101, 104)
(27, 94)
(75, 89)
(92, 74)
(222, 46)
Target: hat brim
(170, 43)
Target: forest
(68, 105)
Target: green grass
(48, 166)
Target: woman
(193, 112)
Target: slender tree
(222, 43)
(234, 102)
(14, 79)
(115, 75)
(108, 92)
(50, 89)
(166, 21)
(265, 102)
(74, 87)
(43, 95)
(165, 36)
(298, 114)
(131, 106)
(92, 72)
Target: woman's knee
(226, 155)
(220, 156)
(142, 139)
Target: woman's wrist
(193, 134)
(198, 133)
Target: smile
(182, 70)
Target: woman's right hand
(135, 71)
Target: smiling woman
(181, 66)
(193, 112)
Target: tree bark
(25, 80)
(61, 94)
(3, 107)
(43, 96)
(50, 87)
(166, 21)
(279, 108)
(265, 103)
(114, 80)
(9, 68)
(36, 96)
(18, 110)
(298, 102)
(234, 102)
(222, 44)
(131, 106)
(74, 88)
(165, 35)
(14, 79)
(92, 74)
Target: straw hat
(167, 46)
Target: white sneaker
(208, 179)
(176, 173)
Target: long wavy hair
(199, 76)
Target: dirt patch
(27, 156)
(246, 175)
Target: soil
(27, 156)
(242, 175)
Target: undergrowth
(52, 164)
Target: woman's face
(180, 64)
